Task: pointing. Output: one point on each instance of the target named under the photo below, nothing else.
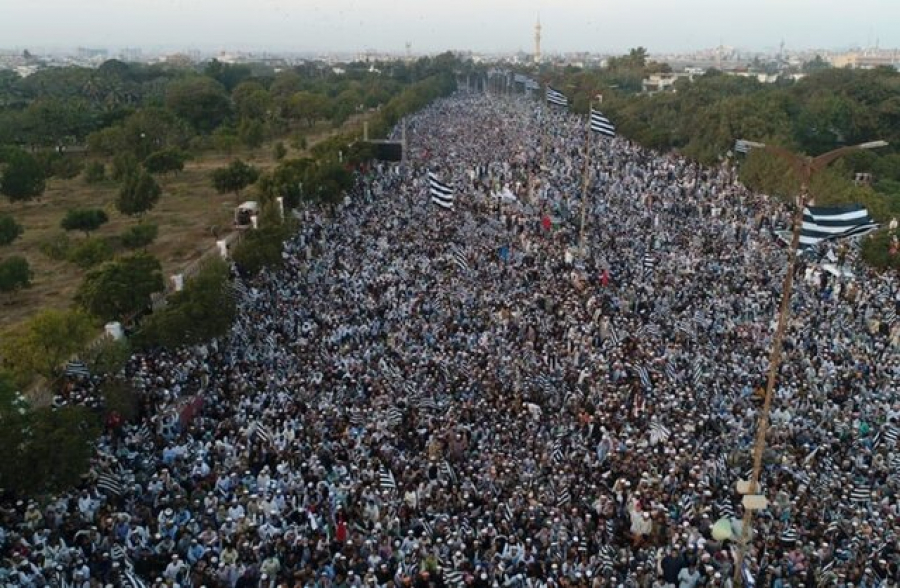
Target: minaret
(537, 41)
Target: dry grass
(187, 214)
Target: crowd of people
(428, 397)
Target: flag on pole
(742, 146)
(77, 369)
(556, 97)
(386, 479)
(601, 124)
(825, 223)
(441, 193)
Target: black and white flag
(648, 264)
(386, 479)
(441, 193)
(822, 223)
(556, 97)
(601, 124)
(77, 369)
(459, 258)
(108, 483)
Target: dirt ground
(188, 214)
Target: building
(866, 59)
(537, 41)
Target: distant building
(664, 82)
(866, 59)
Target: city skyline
(496, 26)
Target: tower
(537, 41)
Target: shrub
(10, 230)
(203, 310)
(280, 150)
(84, 219)
(123, 165)
(140, 235)
(94, 172)
(90, 252)
(261, 248)
(57, 247)
(15, 274)
(876, 250)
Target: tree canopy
(122, 287)
(138, 194)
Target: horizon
(501, 26)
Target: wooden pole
(586, 180)
(775, 355)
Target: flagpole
(805, 168)
(584, 185)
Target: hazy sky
(481, 25)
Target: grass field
(187, 214)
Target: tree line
(702, 118)
(157, 130)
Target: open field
(188, 213)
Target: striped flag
(822, 223)
(644, 375)
(441, 193)
(659, 433)
(261, 433)
(556, 97)
(563, 498)
(108, 483)
(394, 416)
(557, 452)
(601, 124)
(671, 371)
(648, 264)
(77, 369)
(131, 580)
(697, 375)
(448, 472)
(386, 479)
(742, 146)
(459, 258)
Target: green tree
(204, 309)
(261, 248)
(199, 100)
(287, 181)
(84, 219)
(166, 161)
(251, 100)
(138, 195)
(307, 106)
(140, 235)
(94, 172)
(41, 344)
(90, 252)
(21, 175)
(10, 230)
(15, 274)
(234, 178)
(251, 132)
(45, 449)
(120, 288)
(279, 151)
(328, 182)
(124, 164)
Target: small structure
(243, 214)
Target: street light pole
(805, 167)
